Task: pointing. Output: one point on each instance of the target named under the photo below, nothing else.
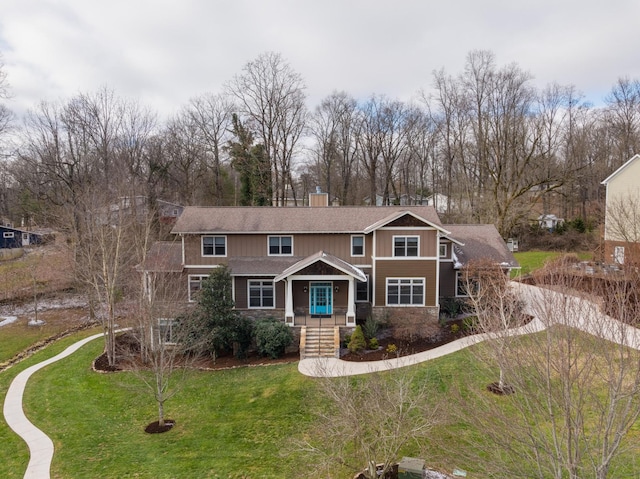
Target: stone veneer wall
(409, 323)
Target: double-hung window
(280, 245)
(405, 246)
(214, 246)
(195, 285)
(357, 246)
(405, 291)
(261, 294)
(443, 250)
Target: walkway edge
(40, 445)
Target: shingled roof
(481, 242)
(343, 219)
(163, 257)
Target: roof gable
(404, 218)
(326, 258)
(624, 167)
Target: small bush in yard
(392, 349)
(455, 329)
(272, 337)
(357, 343)
(347, 338)
(373, 343)
(370, 328)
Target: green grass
(230, 424)
(533, 260)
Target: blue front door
(320, 298)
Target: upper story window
(214, 246)
(443, 250)
(405, 245)
(357, 246)
(280, 245)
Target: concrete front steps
(318, 342)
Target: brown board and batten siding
(417, 268)
(256, 245)
(428, 241)
(448, 282)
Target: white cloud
(165, 52)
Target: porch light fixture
(336, 289)
(305, 289)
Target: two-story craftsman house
(327, 266)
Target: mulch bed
(127, 344)
(406, 348)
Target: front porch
(320, 291)
(302, 317)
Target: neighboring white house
(549, 222)
(622, 213)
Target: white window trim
(368, 291)
(399, 305)
(393, 246)
(261, 281)
(363, 246)
(202, 277)
(446, 250)
(214, 246)
(8, 234)
(279, 236)
(170, 323)
(618, 254)
(459, 278)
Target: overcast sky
(164, 52)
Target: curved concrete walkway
(40, 445)
(543, 304)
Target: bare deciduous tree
(369, 420)
(272, 102)
(497, 309)
(577, 383)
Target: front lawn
(238, 423)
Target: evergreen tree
(252, 163)
(215, 319)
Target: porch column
(289, 317)
(351, 311)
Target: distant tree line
(485, 140)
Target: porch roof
(262, 265)
(327, 258)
